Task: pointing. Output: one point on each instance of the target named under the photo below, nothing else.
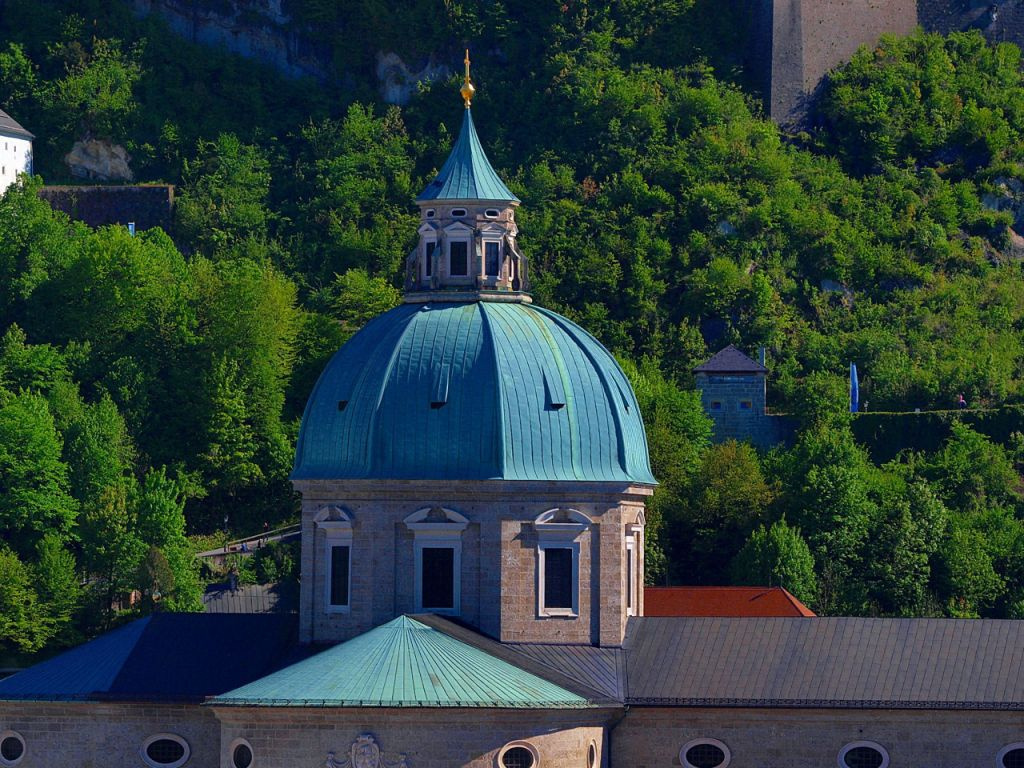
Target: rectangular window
(458, 259)
(716, 405)
(746, 405)
(558, 578)
(491, 257)
(428, 260)
(438, 578)
(339, 575)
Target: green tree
(728, 498)
(95, 96)
(678, 431)
(112, 549)
(34, 498)
(24, 625)
(57, 584)
(777, 556)
(224, 195)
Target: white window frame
(559, 528)
(431, 533)
(336, 523)
(633, 543)
(4, 735)
(172, 737)
(840, 758)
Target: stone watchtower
(732, 388)
(470, 454)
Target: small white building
(15, 151)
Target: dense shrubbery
(155, 377)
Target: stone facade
(811, 37)
(798, 738)
(501, 529)
(736, 404)
(148, 205)
(795, 43)
(446, 738)
(107, 734)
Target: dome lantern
(467, 247)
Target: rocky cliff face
(256, 29)
(99, 159)
(260, 29)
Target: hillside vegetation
(152, 386)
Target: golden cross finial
(467, 89)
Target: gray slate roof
(602, 669)
(826, 662)
(165, 656)
(11, 127)
(252, 598)
(730, 360)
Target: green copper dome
(473, 390)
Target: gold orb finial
(467, 89)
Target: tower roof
(11, 127)
(473, 391)
(467, 173)
(730, 360)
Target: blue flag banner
(854, 389)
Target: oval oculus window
(517, 757)
(241, 756)
(705, 755)
(165, 750)
(12, 748)
(1012, 758)
(863, 755)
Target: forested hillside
(151, 386)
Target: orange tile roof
(722, 601)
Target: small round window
(458, 212)
(492, 213)
(241, 754)
(518, 755)
(704, 753)
(430, 213)
(165, 750)
(863, 754)
(12, 748)
(592, 755)
(1011, 756)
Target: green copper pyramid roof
(467, 173)
(403, 663)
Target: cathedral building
(474, 472)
